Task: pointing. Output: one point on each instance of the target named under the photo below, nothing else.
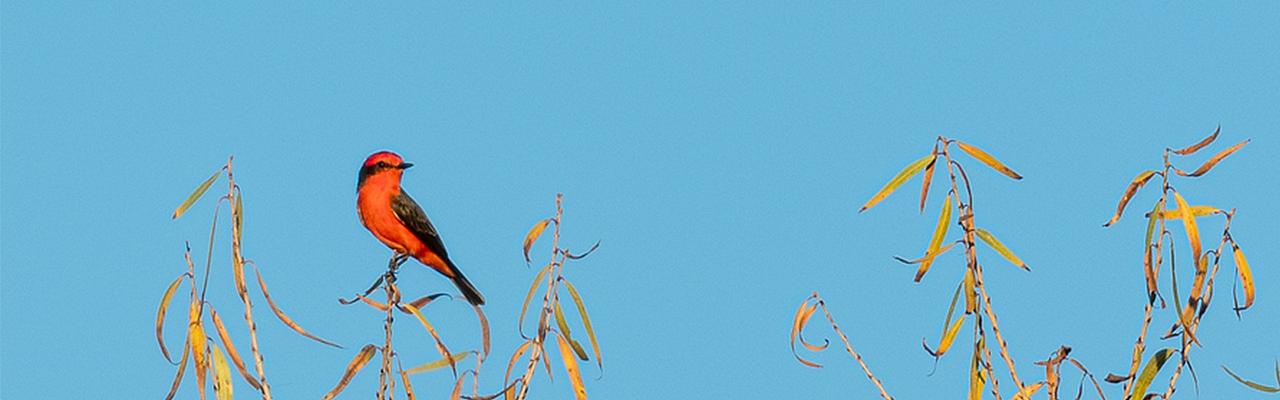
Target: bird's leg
(397, 259)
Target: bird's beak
(405, 165)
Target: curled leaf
(1208, 165)
(1199, 145)
(927, 257)
(506, 379)
(195, 195)
(797, 326)
(285, 318)
(1137, 183)
(987, 159)
(164, 308)
(1253, 385)
(361, 359)
(902, 177)
(532, 236)
(444, 352)
(991, 240)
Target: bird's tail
(468, 290)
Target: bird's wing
(416, 220)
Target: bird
(397, 221)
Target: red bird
(396, 220)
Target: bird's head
(383, 163)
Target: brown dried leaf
(164, 308)
(231, 349)
(537, 282)
(285, 318)
(1199, 145)
(506, 379)
(928, 178)
(484, 331)
(988, 159)
(1137, 183)
(532, 236)
(902, 177)
(1208, 165)
(182, 367)
(361, 359)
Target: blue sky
(719, 152)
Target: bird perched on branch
(398, 222)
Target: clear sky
(719, 152)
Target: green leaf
(991, 240)
(437, 364)
(1149, 372)
(182, 208)
(586, 321)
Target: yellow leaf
(902, 177)
(1028, 391)
(532, 236)
(361, 358)
(1137, 183)
(988, 159)
(571, 368)
(1246, 275)
(1193, 237)
(164, 308)
(199, 345)
(970, 292)
(182, 367)
(1208, 165)
(991, 240)
(1196, 211)
(945, 342)
(1199, 145)
(195, 195)
(221, 376)
(939, 233)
